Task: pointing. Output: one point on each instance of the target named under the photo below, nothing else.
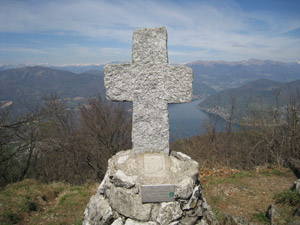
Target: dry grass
(31, 202)
(247, 193)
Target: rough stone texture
(98, 211)
(118, 221)
(235, 220)
(296, 186)
(150, 83)
(168, 212)
(134, 222)
(119, 197)
(273, 213)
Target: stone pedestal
(119, 198)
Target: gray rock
(296, 186)
(184, 189)
(297, 212)
(194, 199)
(174, 223)
(120, 179)
(128, 203)
(189, 220)
(150, 83)
(202, 222)
(273, 213)
(134, 222)
(103, 186)
(235, 220)
(209, 218)
(169, 212)
(154, 211)
(98, 211)
(118, 221)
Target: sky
(66, 32)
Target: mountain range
(27, 85)
(258, 94)
(223, 75)
(21, 85)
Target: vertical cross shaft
(150, 83)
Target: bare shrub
(106, 129)
(18, 138)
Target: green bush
(288, 197)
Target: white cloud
(215, 26)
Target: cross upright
(150, 83)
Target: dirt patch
(246, 194)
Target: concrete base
(119, 200)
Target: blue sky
(58, 32)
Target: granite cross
(150, 83)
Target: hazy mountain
(261, 93)
(27, 84)
(202, 90)
(223, 75)
(80, 68)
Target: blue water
(187, 120)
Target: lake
(187, 120)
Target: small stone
(202, 222)
(134, 222)
(181, 156)
(297, 213)
(209, 218)
(103, 186)
(122, 159)
(194, 199)
(154, 211)
(98, 211)
(126, 202)
(169, 212)
(120, 179)
(189, 220)
(296, 186)
(235, 220)
(273, 213)
(185, 188)
(118, 222)
(174, 223)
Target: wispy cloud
(221, 28)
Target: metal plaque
(158, 193)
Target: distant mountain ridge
(260, 93)
(223, 74)
(27, 84)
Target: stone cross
(150, 83)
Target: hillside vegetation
(261, 94)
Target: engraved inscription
(158, 193)
(154, 165)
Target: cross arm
(179, 84)
(117, 81)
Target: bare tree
(106, 128)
